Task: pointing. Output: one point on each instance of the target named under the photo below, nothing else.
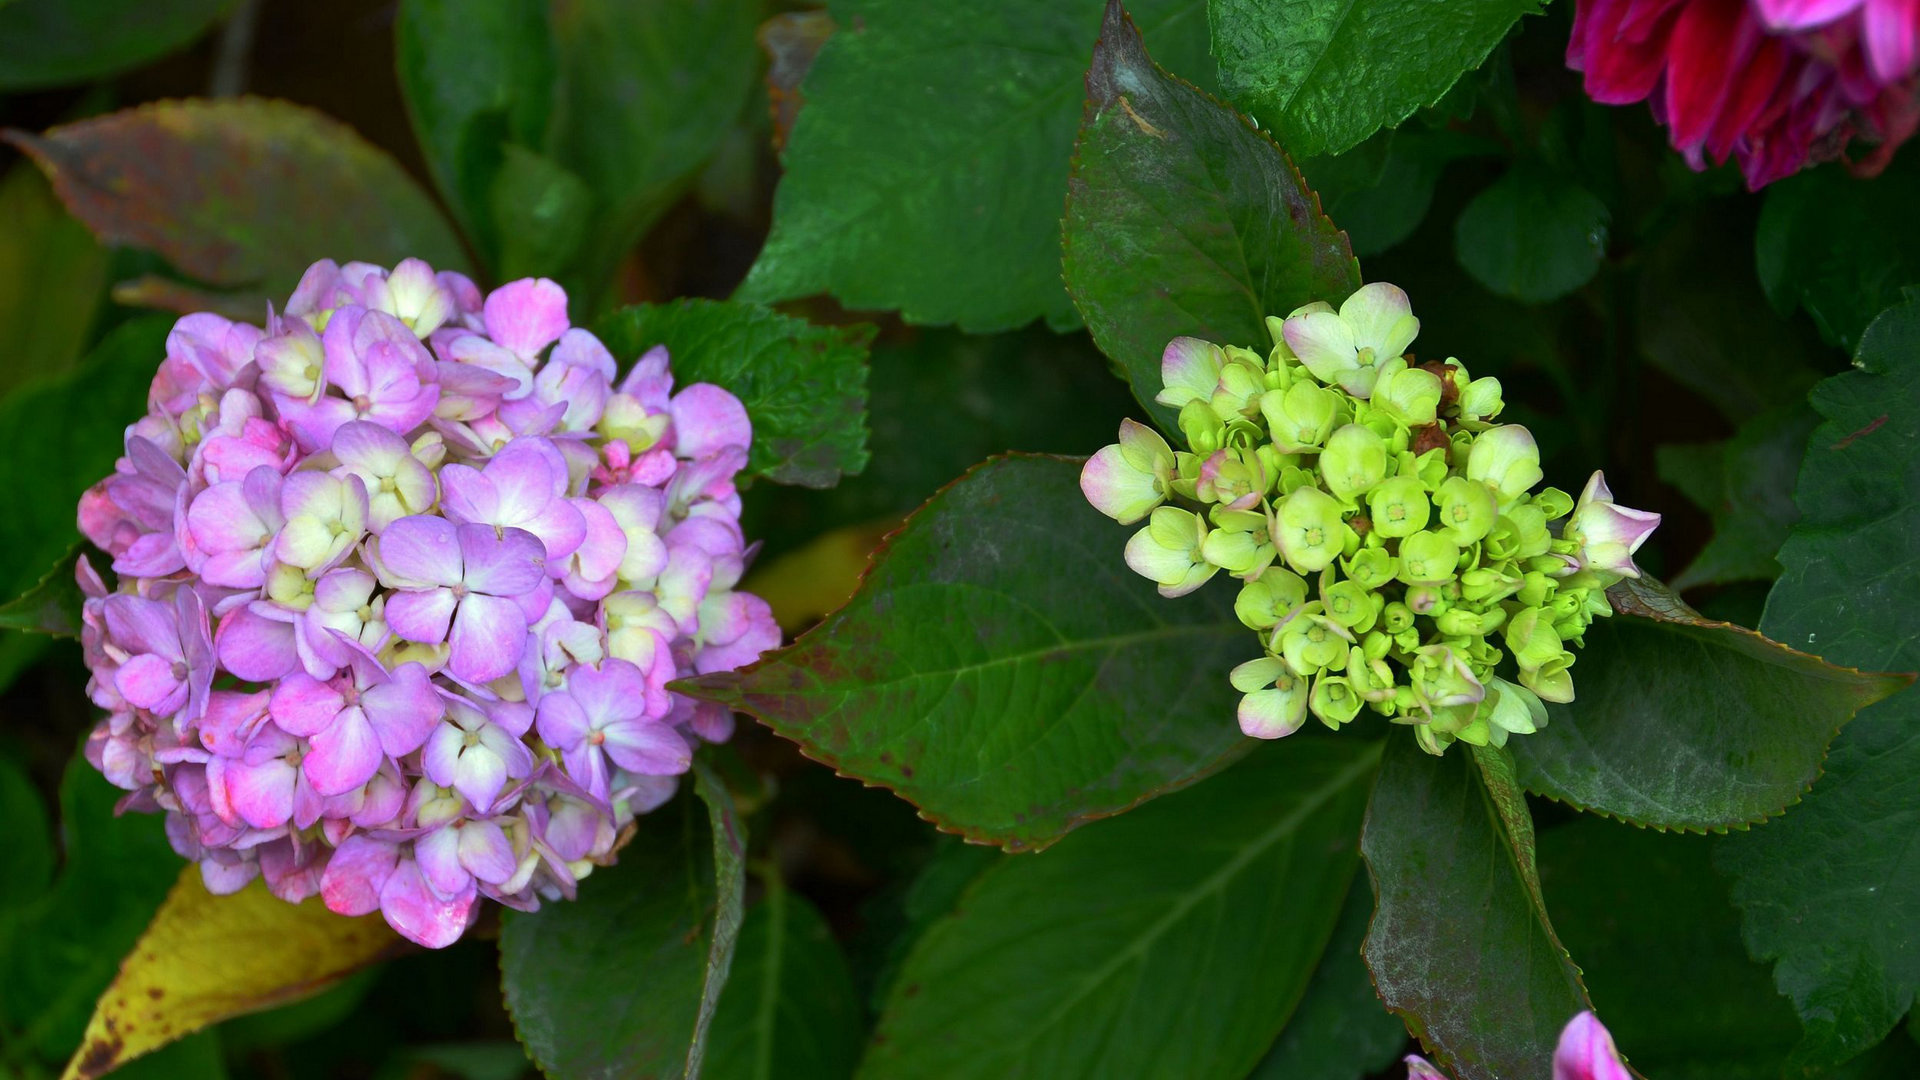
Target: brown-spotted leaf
(206, 958)
(1003, 670)
(241, 192)
(1681, 722)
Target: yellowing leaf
(801, 586)
(207, 958)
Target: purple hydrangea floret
(402, 580)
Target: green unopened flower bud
(1355, 459)
(1396, 617)
(1312, 531)
(1466, 622)
(1551, 680)
(1334, 700)
(1293, 478)
(1536, 589)
(1467, 510)
(1488, 586)
(1370, 676)
(1204, 431)
(1312, 642)
(1552, 502)
(1242, 385)
(1398, 507)
(1442, 678)
(1480, 399)
(1531, 639)
(1411, 396)
(1505, 459)
(1370, 567)
(1268, 598)
(1352, 605)
(1376, 645)
(1301, 418)
(1275, 701)
(1426, 600)
(1428, 558)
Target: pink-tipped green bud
(1608, 534)
(1126, 480)
(1586, 1052)
(1312, 531)
(1275, 701)
(1236, 479)
(1189, 371)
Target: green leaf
(1829, 891)
(612, 983)
(790, 1010)
(1380, 190)
(1325, 74)
(730, 887)
(52, 280)
(241, 192)
(52, 605)
(1001, 668)
(804, 386)
(1184, 219)
(1172, 942)
(542, 213)
(1839, 246)
(1746, 483)
(56, 42)
(1460, 944)
(26, 860)
(925, 173)
(477, 78)
(1533, 235)
(57, 438)
(63, 948)
(647, 89)
(1659, 943)
(1340, 1031)
(1680, 722)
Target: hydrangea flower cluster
(402, 580)
(1774, 84)
(1393, 551)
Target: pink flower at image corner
(1586, 1052)
(1773, 84)
(403, 577)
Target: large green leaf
(925, 172)
(54, 42)
(52, 280)
(1325, 74)
(245, 192)
(1746, 483)
(729, 898)
(59, 436)
(616, 982)
(1380, 191)
(1659, 947)
(1533, 235)
(1680, 722)
(1842, 285)
(804, 386)
(476, 77)
(61, 949)
(647, 89)
(1003, 670)
(1172, 942)
(26, 862)
(1460, 944)
(1182, 218)
(1340, 1031)
(1831, 891)
(790, 1011)
(51, 605)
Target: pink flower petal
(421, 616)
(707, 418)
(420, 550)
(421, 917)
(303, 705)
(488, 637)
(357, 873)
(344, 756)
(525, 316)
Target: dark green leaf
(241, 192)
(610, 984)
(1830, 890)
(477, 77)
(1340, 1031)
(52, 280)
(730, 886)
(542, 213)
(55, 42)
(1683, 723)
(926, 171)
(1325, 74)
(58, 437)
(52, 605)
(1840, 246)
(61, 950)
(26, 860)
(1184, 219)
(804, 386)
(1533, 235)
(1003, 670)
(647, 89)
(1746, 483)
(1379, 191)
(1172, 942)
(935, 891)
(1659, 948)
(1460, 943)
(790, 1011)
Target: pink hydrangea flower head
(441, 595)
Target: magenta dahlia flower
(402, 580)
(1774, 84)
